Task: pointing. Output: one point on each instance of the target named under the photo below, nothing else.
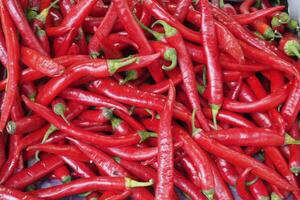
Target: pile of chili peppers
(149, 99)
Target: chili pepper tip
(11, 127)
(130, 183)
(209, 194)
(170, 55)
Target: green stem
(130, 183)
(269, 34)
(145, 135)
(50, 130)
(221, 4)
(107, 113)
(295, 170)
(169, 30)
(130, 75)
(60, 109)
(274, 196)
(195, 130)
(200, 88)
(249, 183)
(170, 55)
(44, 13)
(115, 122)
(214, 110)
(292, 48)
(115, 64)
(66, 179)
(290, 140)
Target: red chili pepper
(40, 169)
(271, 101)
(294, 159)
(90, 137)
(182, 8)
(60, 150)
(164, 189)
(120, 127)
(241, 185)
(25, 125)
(115, 195)
(214, 86)
(226, 170)
(13, 68)
(9, 193)
(100, 115)
(191, 171)
(89, 184)
(290, 45)
(251, 137)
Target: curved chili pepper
(164, 187)
(174, 38)
(41, 63)
(96, 68)
(100, 115)
(116, 195)
(214, 86)
(191, 171)
(251, 137)
(9, 193)
(226, 170)
(90, 137)
(40, 169)
(133, 29)
(13, 68)
(120, 127)
(3, 52)
(201, 162)
(182, 8)
(271, 101)
(290, 45)
(294, 157)
(60, 150)
(241, 185)
(25, 125)
(89, 184)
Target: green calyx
(60, 109)
(292, 48)
(169, 30)
(130, 183)
(295, 170)
(170, 55)
(293, 25)
(30, 188)
(146, 134)
(209, 194)
(115, 122)
(107, 113)
(11, 127)
(290, 140)
(284, 18)
(214, 110)
(44, 13)
(259, 35)
(269, 33)
(94, 55)
(115, 64)
(130, 75)
(31, 13)
(66, 179)
(274, 196)
(258, 4)
(275, 22)
(40, 32)
(195, 130)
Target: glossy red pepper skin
(165, 157)
(80, 168)
(40, 169)
(13, 69)
(294, 158)
(241, 185)
(60, 150)
(9, 193)
(63, 174)
(182, 8)
(79, 134)
(39, 62)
